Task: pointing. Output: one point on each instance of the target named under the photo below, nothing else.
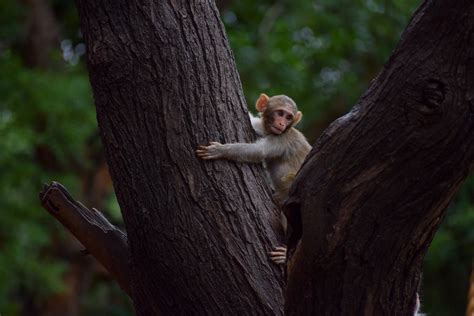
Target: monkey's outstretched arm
(253, 152)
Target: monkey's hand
(278, 255)
(214, 151)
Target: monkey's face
(278, 120)
(279, 113)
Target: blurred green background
(322, 53)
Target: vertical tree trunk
(164, 82)
(377, 184)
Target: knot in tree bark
(433, 95)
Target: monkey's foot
(278, 255)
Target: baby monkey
(281, 148)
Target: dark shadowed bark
(376, 185)
(164, 82)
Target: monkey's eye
(289, 117)
(280, 113)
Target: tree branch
(104, 241)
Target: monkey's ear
(262, 102)
(297, 118)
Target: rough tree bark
(164, 81)
(376, 186)
(370, 196)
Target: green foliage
(42, 105)
(10, 13)
(38, 109)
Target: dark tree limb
(104, 241)
(376, 186)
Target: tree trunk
(164, 82)
(376, 186)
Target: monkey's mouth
(276, 130)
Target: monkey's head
(279, 113)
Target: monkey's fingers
(277, 254)
(202, 147)
(278, 259)
(202, 153)
(205, 154)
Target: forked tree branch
(104, 241)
